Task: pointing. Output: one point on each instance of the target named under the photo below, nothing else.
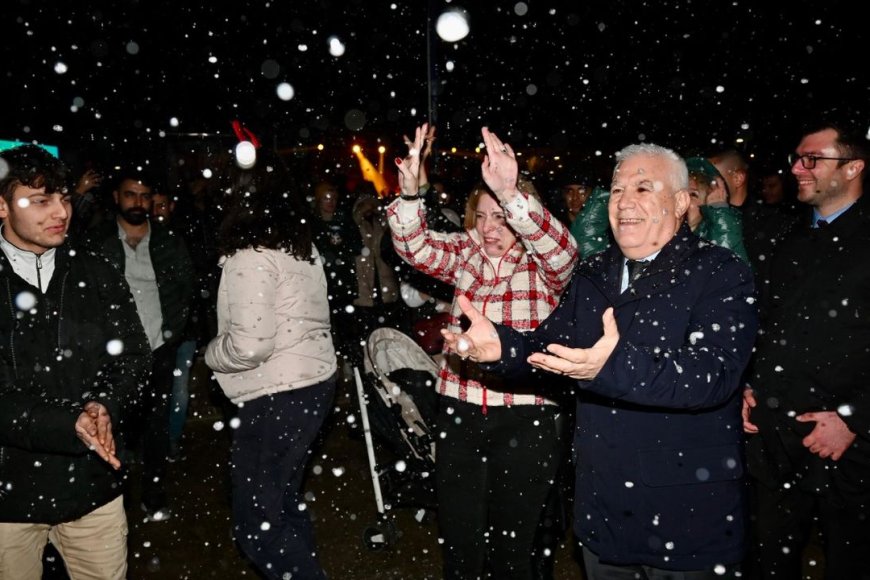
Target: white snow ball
(285, 91)
(60, 67)
(218, 426)
(521, 8)
(336, 46)
(132, 47)
(452, 25)
(173, 122)
(246, 154)
(719, 570)
(265, 526)
(115, 346)
(235, 422)
(338, 471)
(25, 300)
(401, 466)
(845, 410)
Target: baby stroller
(398, 403)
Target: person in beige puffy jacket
(274, 357)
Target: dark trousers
(155, 434)
(271, 448)
(784, 521)
(494, 473)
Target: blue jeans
(180, 393)
(271, 448)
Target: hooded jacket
(79, 341)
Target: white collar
(26, 263)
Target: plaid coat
(520, 289)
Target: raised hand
(499, 168)
(480, 343)
(409, 167)
(580, 363)
(427, 144)
(89, 180)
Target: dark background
(575, 79)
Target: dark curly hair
(266, 210)
(31, 166)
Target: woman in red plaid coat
(498, 446)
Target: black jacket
(813, 354)
(56, 354)
(172, 267)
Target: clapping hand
(409, 167)
(580, 363)
(94, 428)
(480, 343)
(499, 168)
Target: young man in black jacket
(73, 358)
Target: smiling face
(645, 209)
(490, 223)
(831, 184)
(33, 220)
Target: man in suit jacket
(808, 410)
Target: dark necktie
(635, 267)
(822, 223)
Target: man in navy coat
(658, 441)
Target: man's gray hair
(679, 172)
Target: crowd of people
(692, 349)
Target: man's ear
(740, 176)
(681, 203)
(115, 196)
(857, 165)
(4, 207)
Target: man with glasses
(808, 408)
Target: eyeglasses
(809, 161)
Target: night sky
(569, 78)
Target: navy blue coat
(658, 441)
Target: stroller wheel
(380, 536)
